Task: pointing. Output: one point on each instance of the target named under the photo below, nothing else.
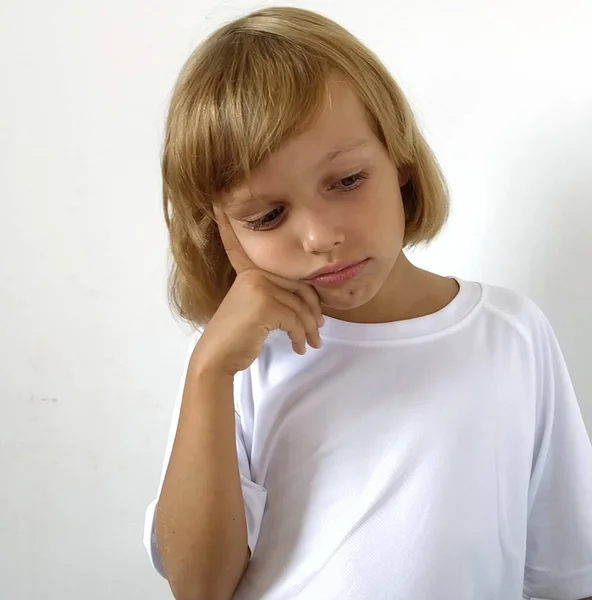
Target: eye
(351, 182)
(267, 221)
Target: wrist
(208, 369)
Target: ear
(404, 174)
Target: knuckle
(248, 276)
(251, 281)
(254, 291)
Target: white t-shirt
(443, 457)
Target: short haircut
(249, 87)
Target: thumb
(236, 255)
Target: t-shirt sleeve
(254, 496)
(559, 537)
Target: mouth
(337, 273)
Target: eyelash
(265, 223)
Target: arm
(200, 519)
(201, 525)
(559, 539)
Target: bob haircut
(250, 86)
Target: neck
(408, 293)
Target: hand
(257, 303)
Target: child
(428, 444)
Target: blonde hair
(245, 90)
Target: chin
(346, 299)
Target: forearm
(200, 519)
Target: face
(329, 199)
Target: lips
(333, 268)
(337, 273)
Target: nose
(321, 231)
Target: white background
(90, 357)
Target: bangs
(249, 87)
(252, 94)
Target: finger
(289, 322)
(310, 296)
(304, 291)
(304, 314)
(236, 255)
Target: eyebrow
(348, 147)
(245, 201)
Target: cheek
(381, 218)
(397, 218)
(267, 252)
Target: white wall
(90, 356)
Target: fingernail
(321, 321)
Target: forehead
(341, 124)
(341, 131)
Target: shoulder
(514, 310)
(515, 325)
